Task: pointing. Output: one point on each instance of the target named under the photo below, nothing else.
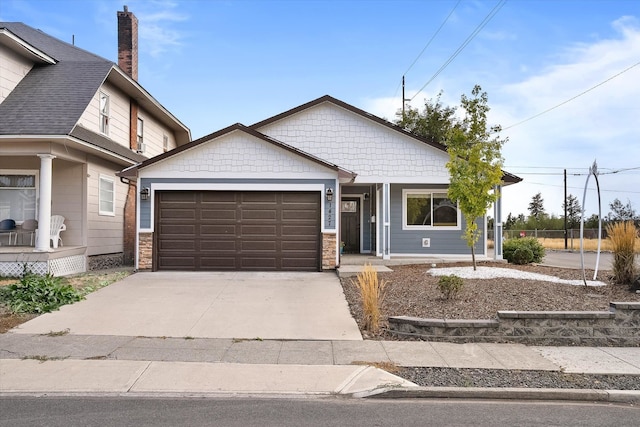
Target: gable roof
(41, 103)
(507, 177)
(133, 170)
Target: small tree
(475, 164)
(536, 207)
(573, 211)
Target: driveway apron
(246, 305)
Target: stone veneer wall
(329, 254)
(145, 251)
(620, 326)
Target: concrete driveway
(308, 306)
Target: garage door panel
(299, 215)
(218, 214)
(178, 230)
(172, 245)
(220, 246)
(298, 230)
(259, 230)
(217, 230)
(258, 263)
(217, 197)
(178, 262)
(249, 197)
(218, 263)
(259, 214)
(178, 196)
(258, 246)
(226, 230)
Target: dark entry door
(350, 225)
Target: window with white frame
(140, 133)
(165, 143)
(107, 196)
(104, 113)
(424, 209)
(18, 194)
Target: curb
(617, 396)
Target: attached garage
(237, 230)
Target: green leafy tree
(536, 207)
(475, 164)
(574, 211)
(434, 122)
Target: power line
(571, 99)
(427, 45)
(432, 37)
(475, 32)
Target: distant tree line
(538, 219)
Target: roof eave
(23, 48)
(149, 103)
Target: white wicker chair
(57, 225)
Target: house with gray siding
(69, 121)
(293, 191)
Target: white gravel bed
(495, 272)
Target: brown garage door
(226, 230)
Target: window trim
(103, 119)
(431, 191)
(106, 178)
(36, 174)
(140, 147)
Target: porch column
(386, 220)
(44, 207)
(497, 225)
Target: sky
(562, 76)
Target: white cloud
(157, 28)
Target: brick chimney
(128, 42)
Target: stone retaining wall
(620, 326)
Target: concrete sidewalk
(72, 364)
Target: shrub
(450, 286)
(523, 251)
(38, 294)
(622, 236)
(372, 293)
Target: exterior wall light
(144, 193)
(329, 194)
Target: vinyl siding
(67, 199)
(118, 114)
(153, 135)
(13, 68)
(104, 232)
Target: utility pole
(403, 98)
(565, 210)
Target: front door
(350, 225)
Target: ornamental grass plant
(622, 236)
(372, 291)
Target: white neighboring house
(69, 120)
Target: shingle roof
(51, 98)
